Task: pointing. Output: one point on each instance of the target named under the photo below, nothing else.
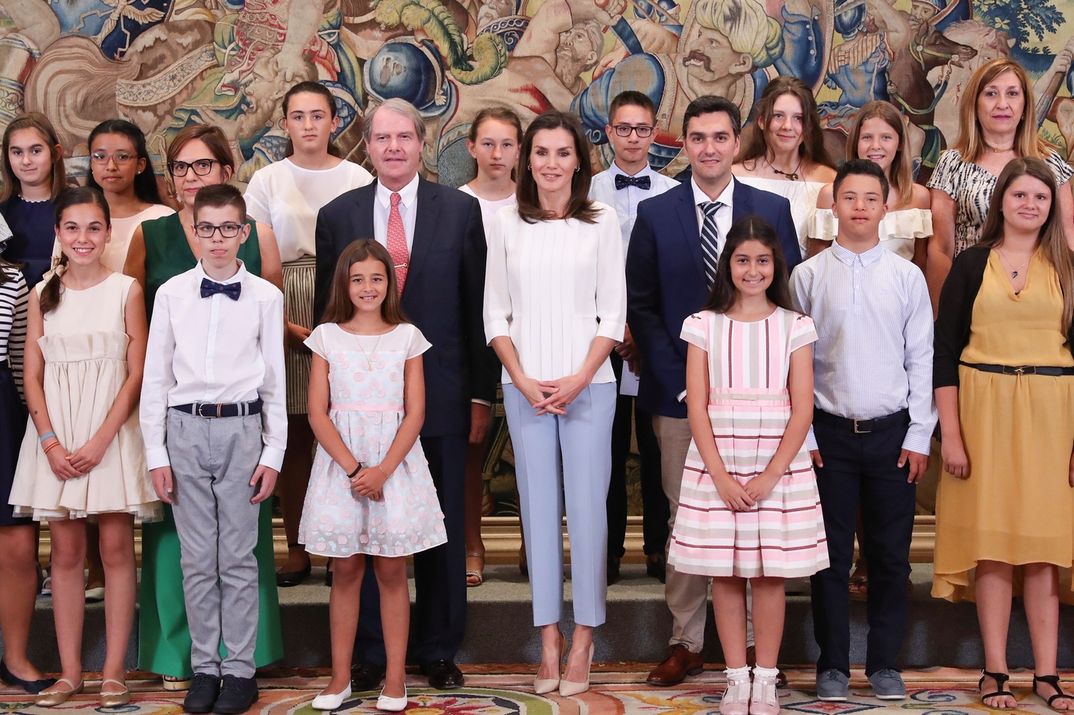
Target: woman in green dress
(161, 249)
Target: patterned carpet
(618, 688)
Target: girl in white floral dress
(370, 493)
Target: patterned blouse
(971, 187)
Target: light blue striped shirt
(874, 355)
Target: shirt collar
(700, 197)
(848, 257)
(409, 194)
(199, 273)
(614, 170)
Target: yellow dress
(1016, 507)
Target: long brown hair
(340, 308)
(74, 196)
(752, 228)
(39, 123)
(811, 150)
(1052, 237)
(500, 114)
(529, 203)
(970, 144)
(902, 171)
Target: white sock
(759, 672)
(737, 674)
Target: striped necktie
(710, 239)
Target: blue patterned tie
(210, 288)
(710, 240)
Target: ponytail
(53, 290)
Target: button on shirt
(874, 355)
(215, 350)
(725, 214)
(408, 209)
(625, 201)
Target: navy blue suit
(666, 281)
(443, 298)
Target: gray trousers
(212, 461)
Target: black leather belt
(221, 409)
(1020, 369)
(897, 419)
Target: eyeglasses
(644, 131)
(227, 230)
(201, 167)
(119, 157)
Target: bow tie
(210, 288)
(642, 182)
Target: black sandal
(1000, 691)
(1052, 680)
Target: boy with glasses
(215, 424)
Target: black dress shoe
(613, 570)
(202, 694)
(31, 686)
(656, 567)
(287, 579)
(237, 695)
(366, 676)
(443, 674)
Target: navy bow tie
(210, 288)
(642, 182)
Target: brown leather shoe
(676, 666)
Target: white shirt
(489, 208)
(287, 197)
(408, 210)
(554, 286)
(724, 214)
(874, 355)
(625, 201)
(215, 350)
(115, 252)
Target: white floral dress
(365, 376)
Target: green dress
(163, 636)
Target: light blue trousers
(567, 457)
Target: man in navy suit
(444, 259)
(676, 234)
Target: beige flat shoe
(58, 695)
(116, 698)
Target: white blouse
(489, 207)
(554, 286)
(899, 230)
(802, 196)
(115, 253)
(287, 197)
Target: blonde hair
(901, 175)
(970, 144)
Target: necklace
(791, 175)
(369, 355)
(1014, 271)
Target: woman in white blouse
(879, 135)
(286, 196)
(555, 306)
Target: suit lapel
(741, 202)
(689, 233)
(425, 224)
(364, 200)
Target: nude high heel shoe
(542, 686)
(567, 688)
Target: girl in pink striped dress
(748, 506)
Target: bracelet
(356, 470)
(52, 446)
(46, 437)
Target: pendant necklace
(791, 175)
(369, 355)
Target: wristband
(46, 437)
(356, 470)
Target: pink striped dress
(749, 406)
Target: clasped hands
(552, 396)
(743, 497)
(72, 465)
